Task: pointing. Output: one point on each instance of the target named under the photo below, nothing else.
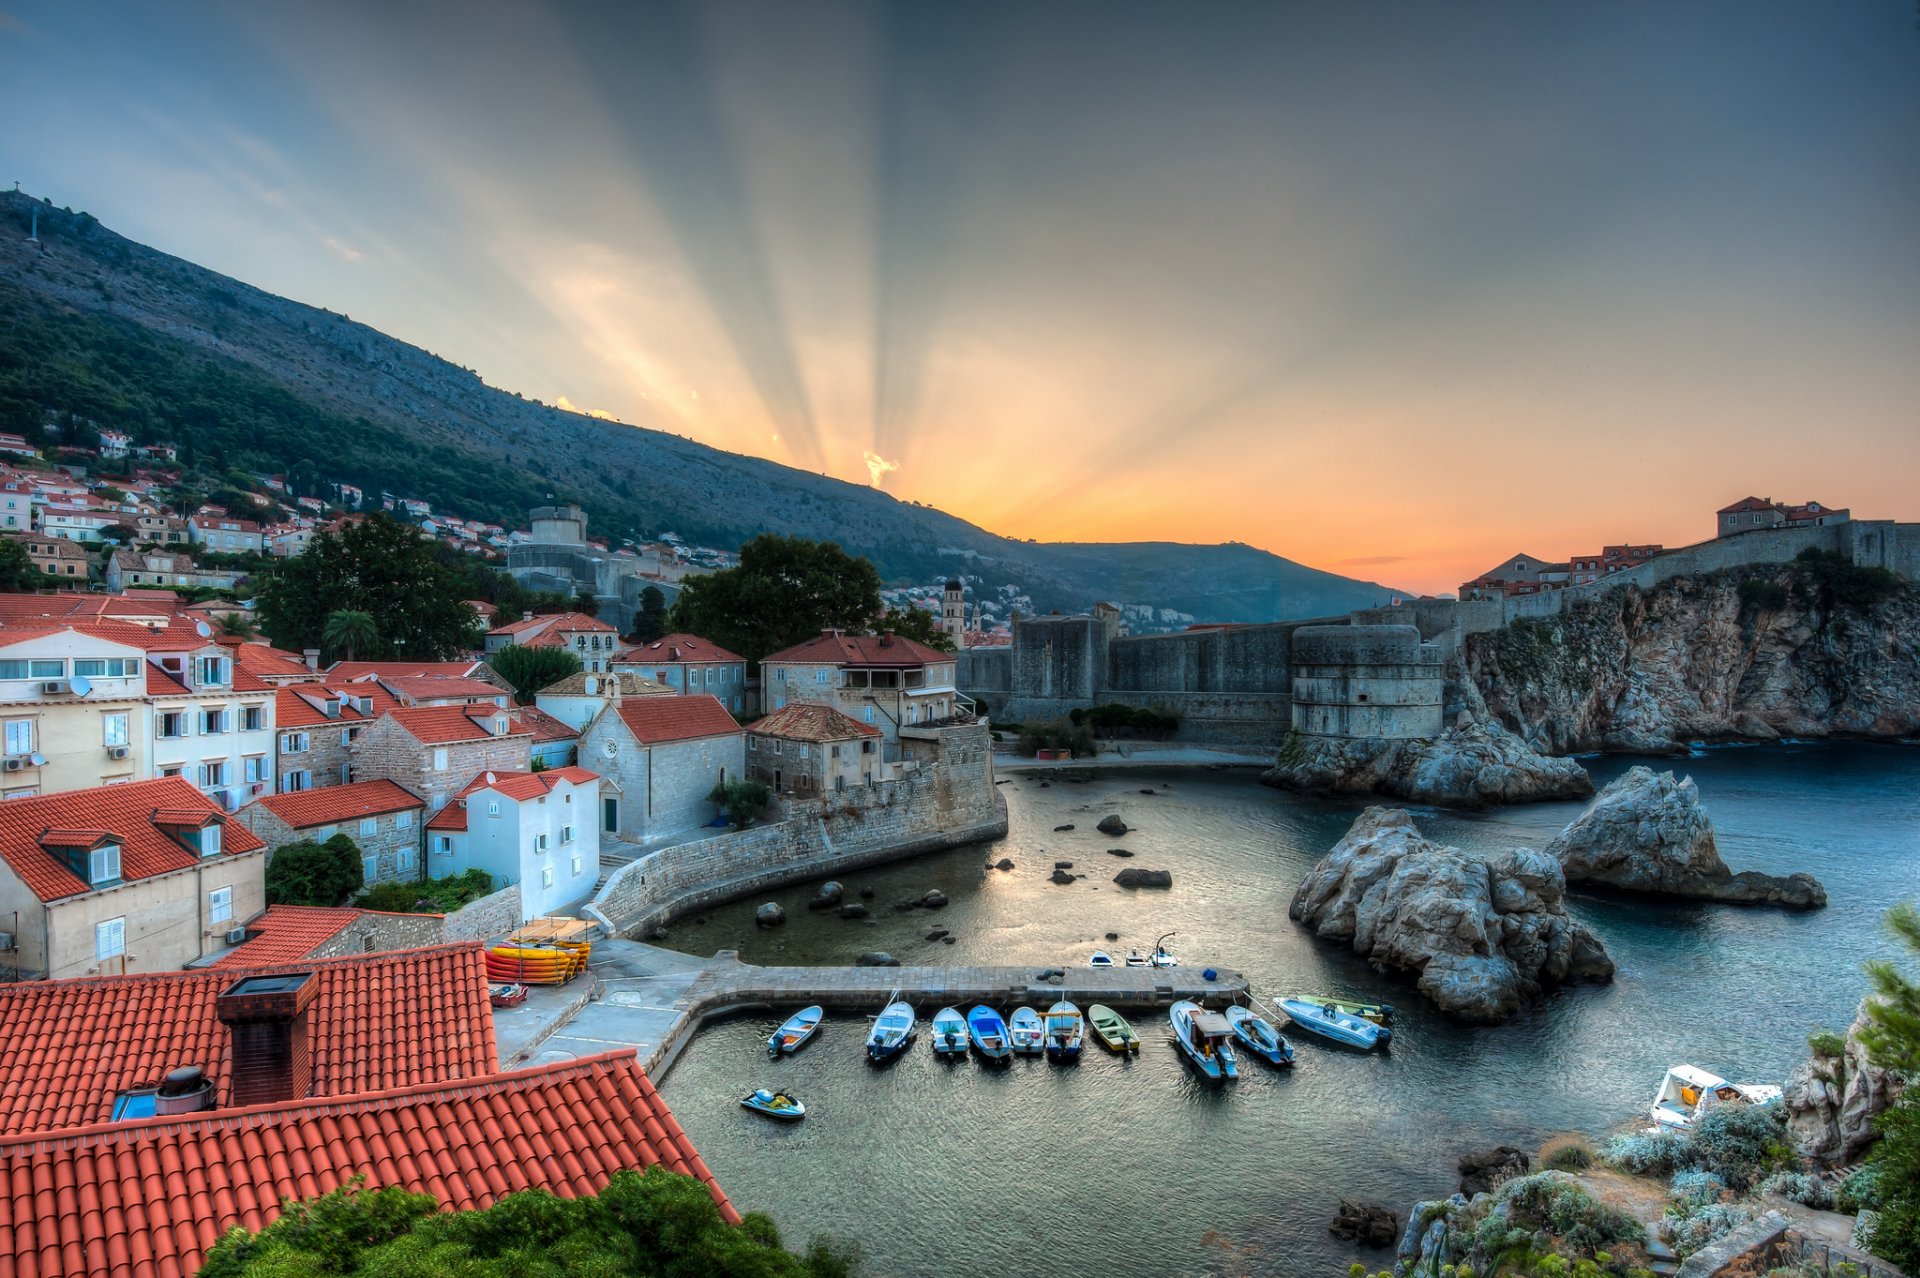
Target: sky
(1394, 290)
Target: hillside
(111, 330)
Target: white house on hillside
(537, 829)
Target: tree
(17, 570)
(236, 625)
(348, 631)
(651, 621)
(585, 604)
(786, 589)
(920, 625)
(309, 873)
(384, 569)
(741, 800)
(531, 669)
(1892, 1032)
(1892, 1039)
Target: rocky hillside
(1808, 649)
(93, 323)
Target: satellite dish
(202, 629)
(79, 685)
(37, 759)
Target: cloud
(341, 249)
(566, 405)
(878, 467)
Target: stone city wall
(375, 931)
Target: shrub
(1057, 734)
(1690, 1190)
(741, 801)
(309, 873)
(1843, 583)
(1116, 720)
(1826, 1043)
(1808, 1191)
(1739, 1143)
(1571, 1156)
(1859, 1190)
(1757, 594)
(427, 896)
(1560, 1205)
(1707, 1225)
(1659, 1153)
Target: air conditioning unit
(236, 935)
(118, 752)
(15, 764)
(53, 688)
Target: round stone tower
(1365, 681)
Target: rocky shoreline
(1473, 765)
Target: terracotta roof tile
(860, 650)
(569, 621)
(287, 934)
(377, 1021)
(542, 725)
(334, 804)
(808, 721)
(654, 720)
(673, 648)
(354, 671)
(129, 812)
(435, 687)
(442, 725)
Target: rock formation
(1134, 877)
(828, 897)
(1112, 825)
(770, 915)
(1483, 934)
(1485, 1170)
(1370, 1224)
(1473, 765)
(1831, 1101)
(1648, 832)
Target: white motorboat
(949, 1032)
(1158, 957)
(793, 1035)
(1028, 1035)
(1101, 959)
(1257, 1034)
(1328, 1021)
(1066, 1032)
(1204, 1038)
(891, 1033)
(1688, 1091)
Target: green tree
(786, 589)
(349, 632)
(585, 604)
(17, 570)
(1892, 1032)
(919, 625)
(236, 625)
(741, 800)
(1892, 1039)
(382, 568)
(309, 873)
(531, 669)
(651, 621)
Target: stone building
(808, 749)
(557, 557)
(1366, 682)
(665, 755)
(437, 751)
(692, 667)
(383, 819)
(315, 730)
(592, 641)
(885, 680)
(56, 556)
(1750, 513)
(577, 699)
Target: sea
(1136, 1165)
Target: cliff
(1814, 648)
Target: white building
(73, 709)
(666, 755)
(537, 829)
(207, 720)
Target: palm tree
(347, 631)
(237, 625)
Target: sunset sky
(1393, 290)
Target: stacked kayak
(553, 964)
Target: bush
(741, 801)
(1691, 1190)
(1843, 583)
(1116, 720)
(1559, 1204)
(1758, 594)
(531, 669)
(427, 896)
(1056, 734)
(1859, 1190)
(1808, 1191)
(1570, 1156)
(1826, 1043)
(1659, 1153)
(309, 873)
(1739, 1143)
(1706, 1225)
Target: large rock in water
(1483, 933)
(1831, 1101)
(1473, 765)
(1134, 877)
(1648, 832)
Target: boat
(1101, 959)
(774, 1105)
(1028, 1035)
(1204, 1038)
(1259, 1036)
(1378, 1013)
(510, 995)
(1328, 1021)
(891, 1033)
(1065, 1032)
(949, 1032)
(794, 1033)
(1159, 957)
(1688, 1091)
(989, 1034)
(1112, 1029)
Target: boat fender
(1209, 975)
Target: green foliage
(531, 669)
(786, 589)
(1116, 720)
(1842, 583)
(1056, 734)
(427, 896)
(585, 604)
(17, 569)
(1860, 1190)
(741, 801)
(643, 1225)
(1892, 1031)
(650, 622)
(1739, 1144)
(1797, 1186)
(347, 633)
(1761, 594)
(309, 873)
(1559, 1205)
(919, 625)
(1574, 1156)
(1892, 1038)
(1827, 1044)
(1705, 1224)
(379, 567)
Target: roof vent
(184, 1091)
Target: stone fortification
(1375, 682)
(947, 800)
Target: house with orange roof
(210, 719)
(142, 877)
(590, 639)
(582, 695)
(886, 680)
(295, 933)
(690, 666)
(664, 756)
(537, 829)
(365, 671)
(1750, 513)
(73, 707)
(443, 690)
(553, 741)
(316, 725)
(56, 556)
(226, 535)
(383, 819)
(437, 751)
(807, 749)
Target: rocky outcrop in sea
(1649, 832)
(1482, 933)
(1831, 1100)
(1473, 765)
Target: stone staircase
(612, 858)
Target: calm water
(1134, 1166)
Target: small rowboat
(793, 1035)
(1259, 1036)
(774, 1105)
(892, 1031)
(1112, 1029)
(1158, 958)
(1024, 1027)
(1065, 1032)
(949, 1032)
(989, 1034)
(1204, 1038)
(1101, 959)
(506, 995)
(1378, 1013)
(1329, 1021)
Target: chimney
(526, 616)
(886, 638)
(313, 658)
(266, 1020)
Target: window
(252, 718)
(103, 864)
(19, 736)
(369, 825)
(403, 820)
(210, 839)
(220, 905)
(294, 742)
(294, 782)
(546, 876)
(43, 669)
(540, 841)
(868, 715)
(369, 868)
(13, 669)
(493, 807)
(566, 834)
(819, 676)
(213, 672)
(102, 667)
(443, 845)
(253, 768)
(213, 722)
(113, 729)
(439, 760)
(213, 773)
(404, 860)
(109, 938)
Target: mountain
(124, 335)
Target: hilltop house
(1750, 513)
(383, 819)
(56, 556)
(884, 680)
(807, 749)
(537, 829)
(436, 751)
(665, 755)
(590, 639)
(227, 536)
(690, 666)
(146, 876)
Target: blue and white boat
(891, 1033)
(793, 1035)
(1328, 1021)
(989, 1033)
(1066, 1032)
(774, 1105)
(1024, 1027)
(1258, 1036)
(949, 1032)
(1101, 959)
(1205, 1039)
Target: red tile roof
(542, 725)
(128, 812)
(271, 663)
(655, 720)
(806, 721)
(1744, 505)
(293, 706)
(518, 786)
(287, 934)
(354, 671)
(162, 684)
(333, 804)
(443, 725)
(436, 687)
(668, 649)
(860, 650)
(147, 1198)
(568, 621)
(376, 1021)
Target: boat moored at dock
(1205, 1039)
(949, 1032)
(1065, 1032)
(892, 1031)
(1328, 1021)
(1029, 1036)
(1259, 1037)
(988, 1030)
(795, 1031)
(1112, 1029)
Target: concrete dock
(654, 999)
